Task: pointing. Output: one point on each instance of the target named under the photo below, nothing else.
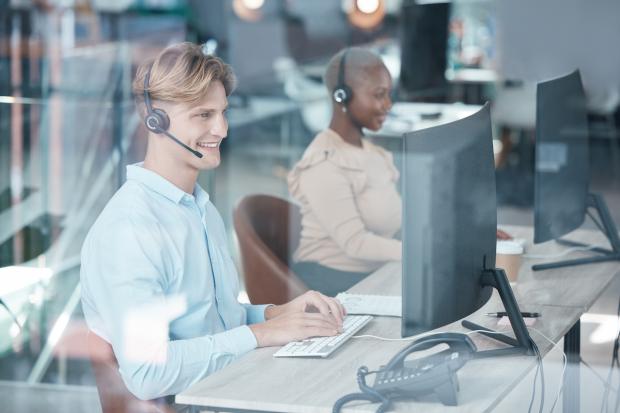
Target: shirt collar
(202, 197)
(338, 141)
(161, 185)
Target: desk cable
(539, 365)
(615, 361)
(3, 304)
(565, 362)
(430, 333)
(367, 392)
(598, 376)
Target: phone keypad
(394, 376)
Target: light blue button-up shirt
(152, 242)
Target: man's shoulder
(128, 206)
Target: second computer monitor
(562, 157)
(449, 221)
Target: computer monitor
(449, 221)
(449, 231)
(424, 42)
(561, 193)
(562, 158)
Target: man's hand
(311, 314)
(311, 301)
(293, 327)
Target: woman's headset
(342, 92)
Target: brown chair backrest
(113, 394)
(268, 229)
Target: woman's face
(371, 97)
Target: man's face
(371, 97)
(201, 126)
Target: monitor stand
(522, 343)
(607, 227)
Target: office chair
(268, 229)
(113, 394)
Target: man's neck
(169, 169)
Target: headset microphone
(168, 134)
(157, 120)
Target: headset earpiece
(157, 121)
(342, 92)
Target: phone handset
(455, 342)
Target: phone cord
(368, 393)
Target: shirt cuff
(255, 313)
(239, 340)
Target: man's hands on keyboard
(311, 301)
(324, 346)
(310, 315)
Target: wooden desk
(578, 286)
(259, 382)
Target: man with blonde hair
(160, 238)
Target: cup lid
(508, 247)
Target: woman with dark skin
(350, 205)
(346, 185)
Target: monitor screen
(562, 157)
(424, 39)
(449, 221)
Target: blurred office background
(68, 128)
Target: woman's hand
(503, 235)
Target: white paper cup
(508, 257)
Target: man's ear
(140, 108)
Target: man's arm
(125, 272)
(256, 313)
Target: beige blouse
(350, 207)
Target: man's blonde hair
(181, 73)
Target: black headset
(342, 92)
(157, 120)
